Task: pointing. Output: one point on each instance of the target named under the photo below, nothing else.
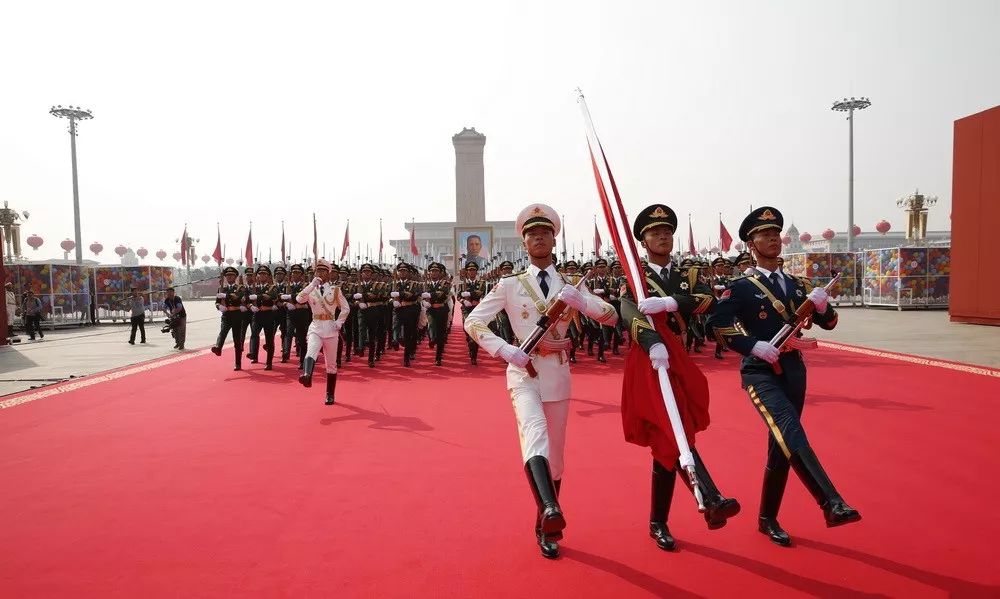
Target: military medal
(684, 285)
(525, 315)
(762, 315)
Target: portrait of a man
(475, 243)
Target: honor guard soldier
(472, 291)
(249, 283)
(299, 317)
(229, 301)
(541, 404)
(348, 333)
(437, 291)
(281, 307)
(324, 298)
(750, 313)
(263, 304)
(721, 268)
(502, 319)
(369, 298)
(744, 264)
(668, 291)
(599, 285)
(406, 300)
(576, 329)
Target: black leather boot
(268, 365)
(217, 350)
(306, 378)
(771, 493)
(550, 517)
(835, 509)
(717, 508)
(718, 351)
(661, 495)
(331, 386)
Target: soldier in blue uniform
(748, 314)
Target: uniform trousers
(328, 343)
(779, 399)
(541, 427)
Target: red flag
(248, 254)
(217, 254)
(691, 249)
(184, 246)
(413, 239)
(283, 242)
(597, 240)
(380, 240)
(315, 238)
(725, 239)
(347, 241)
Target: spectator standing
(174, 307)
(31, 311)
(138, 308)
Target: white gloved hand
(286, 297)
(612, 297)
(819, 298)
(221, 308)
(466, 294)
(598, 292)
(254, 308)
(658, 356)
(358, 296)
(655, 305)
(362, 305)
(220, 296)
(425, 295)
(243, 308)
(425, 304)
(394, 294)
(749, 271)
(253, 297)
(719, 287)
(765, 351)
(316, 282)
(396, 304)
(466, 303)
(514, 355)
(337, 325)
(573, 298)
(290, 306)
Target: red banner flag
(413, 239)
(691, 249)
(217, 254)
(347, 241)
(597, 240)
(315, 240)
(725, 239)
(184, 246)
(248, 254)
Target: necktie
(777, 285)
(543, 283)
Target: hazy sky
(212, 112)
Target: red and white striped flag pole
(614, 213)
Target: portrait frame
(462, 235)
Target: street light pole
(74, 114)
(849, 106)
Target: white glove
(394, 294)
(514, 355)
(749, 271)
(819, 298)
(658, 356)
(290, 306)
(425, 295)
(316, 282)
(572, 297)
(396, 304)
(337, 325)
(719, 287)
(221, 308)
(765, 351)
(286, 297)
(655, 305)
(358, 296)
(220, 296)
(243, 308)
(466, 303)
(466, 294)
(612, 297)
(253, 297)
(598, 292)
(425, 304)
(254, 308)
(362, 305)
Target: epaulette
(805, 282)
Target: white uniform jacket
(324, 307)
(521, 297)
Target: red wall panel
(975, 219)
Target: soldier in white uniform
(540, 404)
(324, 298)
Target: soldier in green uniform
(600, 285)
(281, 308)
(437, 291)
(502, 320)
(299, 317)
(249, 283)
(471, 291)
(669, 291)
(575, 330)
(405, 296)
(349, 331)
(720, 278)
(263, 300)
(230, 302)
(369, 297)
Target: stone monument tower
(470, 193)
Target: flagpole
(616, 219)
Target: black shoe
(331, 386)
(659, 532)
(474, 362)
(284, 359)
(437, 362)
(237, 367)
(371, 364)
(601, 359)
(268, 367)
(773, 530)
(217, 351)
(551, 519)
(180, 348)
(835, 509)
(718, 509)
(130, 342)
(718, 353)
(306, 377)
(406, 361)
(548, 546)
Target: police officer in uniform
(437, 292)
(668, 291)
(748, 315)
(229, 300)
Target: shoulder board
(805, 282)
(513, 274)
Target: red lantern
(142, 252)
(177, 256)
(161, 255)
(856, 230)
(786, 239)
(96, 248)
(35, 241)
(120, 250)
(883, 226)
(205, 259)
(805, 238)
(829, 234)
(739, 246)
(67, 245)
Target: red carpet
(190, 480)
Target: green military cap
(230, 270)
(263, 268)
(743, 257)
(280, 270)
(600, 262)
(297, 268)
(760, 219)
(654, 216)
(367, 267)
(721, 261)
(471, 264)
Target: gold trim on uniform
(770, 421)
(704, 302)
(637, 325)
(478, 326)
